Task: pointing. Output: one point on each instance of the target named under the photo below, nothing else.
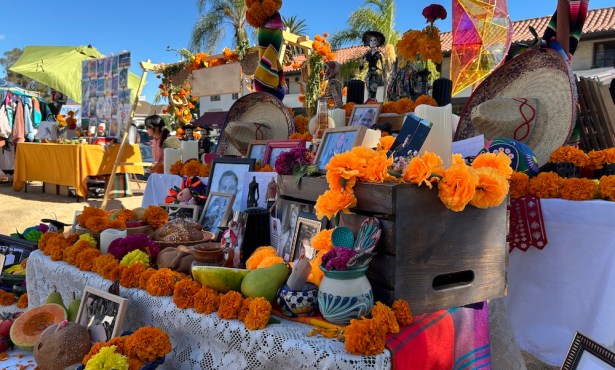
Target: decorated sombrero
(532, 99)
(256, 116)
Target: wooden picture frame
(277, 147)
(216, 212)
(227, 175)
(256, 150)
(364, 115)
(19, 249)
(186, 211)
(337, 140)
(584, 353)
(102, 313)
(306, 227)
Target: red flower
(433, 12)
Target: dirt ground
(19, 210)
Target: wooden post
(146, 66)
(563, 25)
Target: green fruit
(55, 297)
(73, 309)
(221, 279)
(265, 282)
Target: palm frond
(344, 37)
(207, 32)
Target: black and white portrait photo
(216, 211)
(102, 313)
(227, 175)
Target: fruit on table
(5, 326)
(28, 327)
(61, 345)
(140, 211)
(73, 309)
(221, 279)
(16, 269)
(55, 297)
(265, 282)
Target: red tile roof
(598, 21)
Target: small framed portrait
(277, 147)
(186, 211)
(102, 313)
(256, 150)
(411, 137)
(227, 176)
(337, 140)
(364, 115)
(306, 227)
(216, 212)
(585, 354)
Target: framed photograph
(337, 140)
(227, 176)
(411, 137)
(286, 213)
(14, 250)
(306, 227)
(585, 354)
(364, 115)
(216, 212)
(102, 313)
(188, 211)
(256, 150)
(277, 147)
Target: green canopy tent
(59, 67)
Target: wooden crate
(429, 255)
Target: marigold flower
(245, 308)
(379, 163)
(126, 215)
(316, 273)
(119, 343)
(546, 185)
(401, 308)
(206, 301)
(162, 282)
(596, 159)
(135, 256)
(607, 187)
(388, 107)
(230, 304)
(569, 154)
(176, 168)
(98, 223)
(107, 358)
(184, 292)
(69, 255)
(322, 240)
(386, 142)
(108, 270)
(6, 298)
(145, 276)
(130, 276)
(148, 344)
(344, 169)
(348, 107)
(578, 189)
(155, 216)
(118, 223)
(425, 99)
(609, 155)
(519, 184)
(331, 202)
(259, 255)
(491, 189)
(270, 261)
(85, 258)
(425, 169)
(258, 314)
(205, 169)
(100, 262)
(457, 187)
(364, 337)
(500, 161)
(385, 317)
(404, 105)
(90, 212)
(191, 168)
(22, 302)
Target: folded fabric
(527, 227)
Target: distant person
(157, 129)
(205, 142)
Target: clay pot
(213, 254)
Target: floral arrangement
(263, 256)
(550, 185)
(22, 302)
(260, 167)
(191, 168)
(7, 298)
(259, 11)
(570, 154)
(97, 219)
(298, 162)
(421, 46)
(147, 344)
(121, 247)
(314, 69)
(406, 105)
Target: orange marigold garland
(426, 99)
(69, 255)
(424, 170)
(191, 168)
(230, 304)
(385, 317)
(546, 185)
(130, 276)
(97, 223)
(364, 337)
(147, 344)
(596, 159)
(89, 212)
(206, 301)
(184, 292)
(108, 269)
(519, 185)
(145, 276)
(578, 189)
(99, 263)
(401, 308)
(570, 154)
(162, 282)
(85, 259)
(258, 314)
(22, 302)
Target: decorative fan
(364, 244)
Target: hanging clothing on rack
(27, 115)
(19, 124)
(37, 115)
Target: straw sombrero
(531, 98)
(256, 116)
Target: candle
(109, 235)
(339, 117)
(440, 138)
(371, 138)
(171, 155)
(190, 150)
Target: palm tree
(296, 26)
(210, 28)
(375, 15)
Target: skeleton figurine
(334, 85)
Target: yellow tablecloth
(70, 164)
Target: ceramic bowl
(302, 302)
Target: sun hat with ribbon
(256, 116)
(532, 99)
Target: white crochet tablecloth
(204, 341)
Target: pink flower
(337, 258)
(433, 12)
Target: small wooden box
(431, 256)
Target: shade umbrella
(59, 67)
(482, 33)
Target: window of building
(235, 96)
(214, 98)
(604, 54)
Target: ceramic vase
(345, 295)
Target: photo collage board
(106, 103)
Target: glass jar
(322, 120)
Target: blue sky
(146, 28)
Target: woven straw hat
(256, 116)
(543, 78)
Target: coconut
(61, 345)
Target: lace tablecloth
(204, 341)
